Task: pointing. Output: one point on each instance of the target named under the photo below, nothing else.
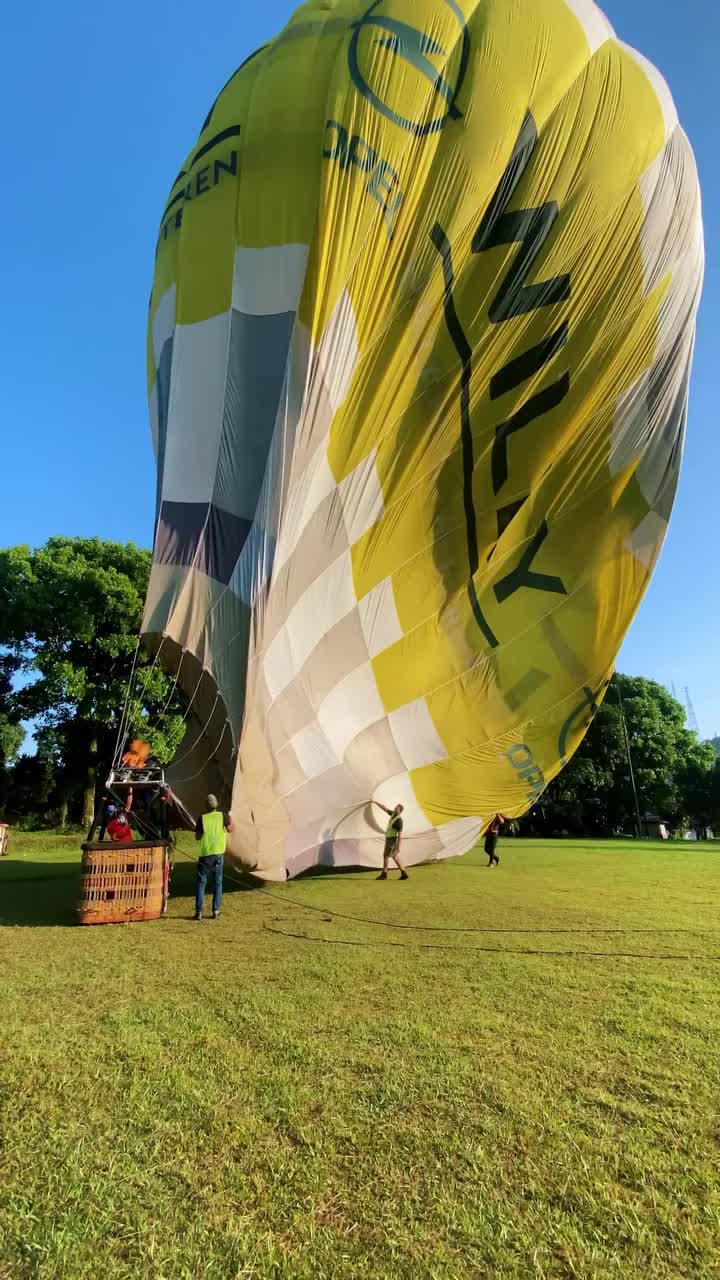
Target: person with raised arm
(393, 838)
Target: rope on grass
(438, 928)
(512, 951)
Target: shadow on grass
(46, 895)
(182, 881)
(319, 872)
(40, 894)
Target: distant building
(654, 827)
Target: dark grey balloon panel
(257, 359)
(210, 535)
(204, 537)
(163, 378)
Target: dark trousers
(210, 866)
(490, 846)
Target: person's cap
(212, 802)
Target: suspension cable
(191, 778)
(121, 726)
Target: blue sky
(101, 103)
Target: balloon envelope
(418, 354)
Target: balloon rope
(192, 776)
(202, 731)
(121, 726)
(149, 670)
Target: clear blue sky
(101, 103)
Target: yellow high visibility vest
(214, 837)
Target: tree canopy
(11, 731)
(675, 773)
(69, 621)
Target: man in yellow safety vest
(211, 831)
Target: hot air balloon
(419, 344)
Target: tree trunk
(63, 811)
(90, 781)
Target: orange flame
(136, 757)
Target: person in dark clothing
(158, 814)
(108, 812)
(393, 837)
(212, 831)
(491, 839)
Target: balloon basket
(123, 882)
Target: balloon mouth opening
(204, 761)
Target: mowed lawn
(482, 1073)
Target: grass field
(292, 1093)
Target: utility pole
(691, 717)
(638, 822)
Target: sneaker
(216, 915)
(197, 916)
(382, 876)
(404, 875)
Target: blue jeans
(212, 865)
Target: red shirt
(119, 829)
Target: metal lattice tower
(691, 717)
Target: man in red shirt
(118, 828)
(491, 839)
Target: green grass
(288, 1093)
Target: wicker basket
(123, 882)
(4, 830)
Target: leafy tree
(11, 731)
(699, 787)
(11, 739)
(714, 789)
(31, 788)
(70, 613)
(672, 769)
(657, 738)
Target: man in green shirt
(393, 836)
(211, 831)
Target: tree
(31, 787)
(11, 731)
(699, 787)
(672, 769)
(11, 739)
(70, 613)
(713, 804)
